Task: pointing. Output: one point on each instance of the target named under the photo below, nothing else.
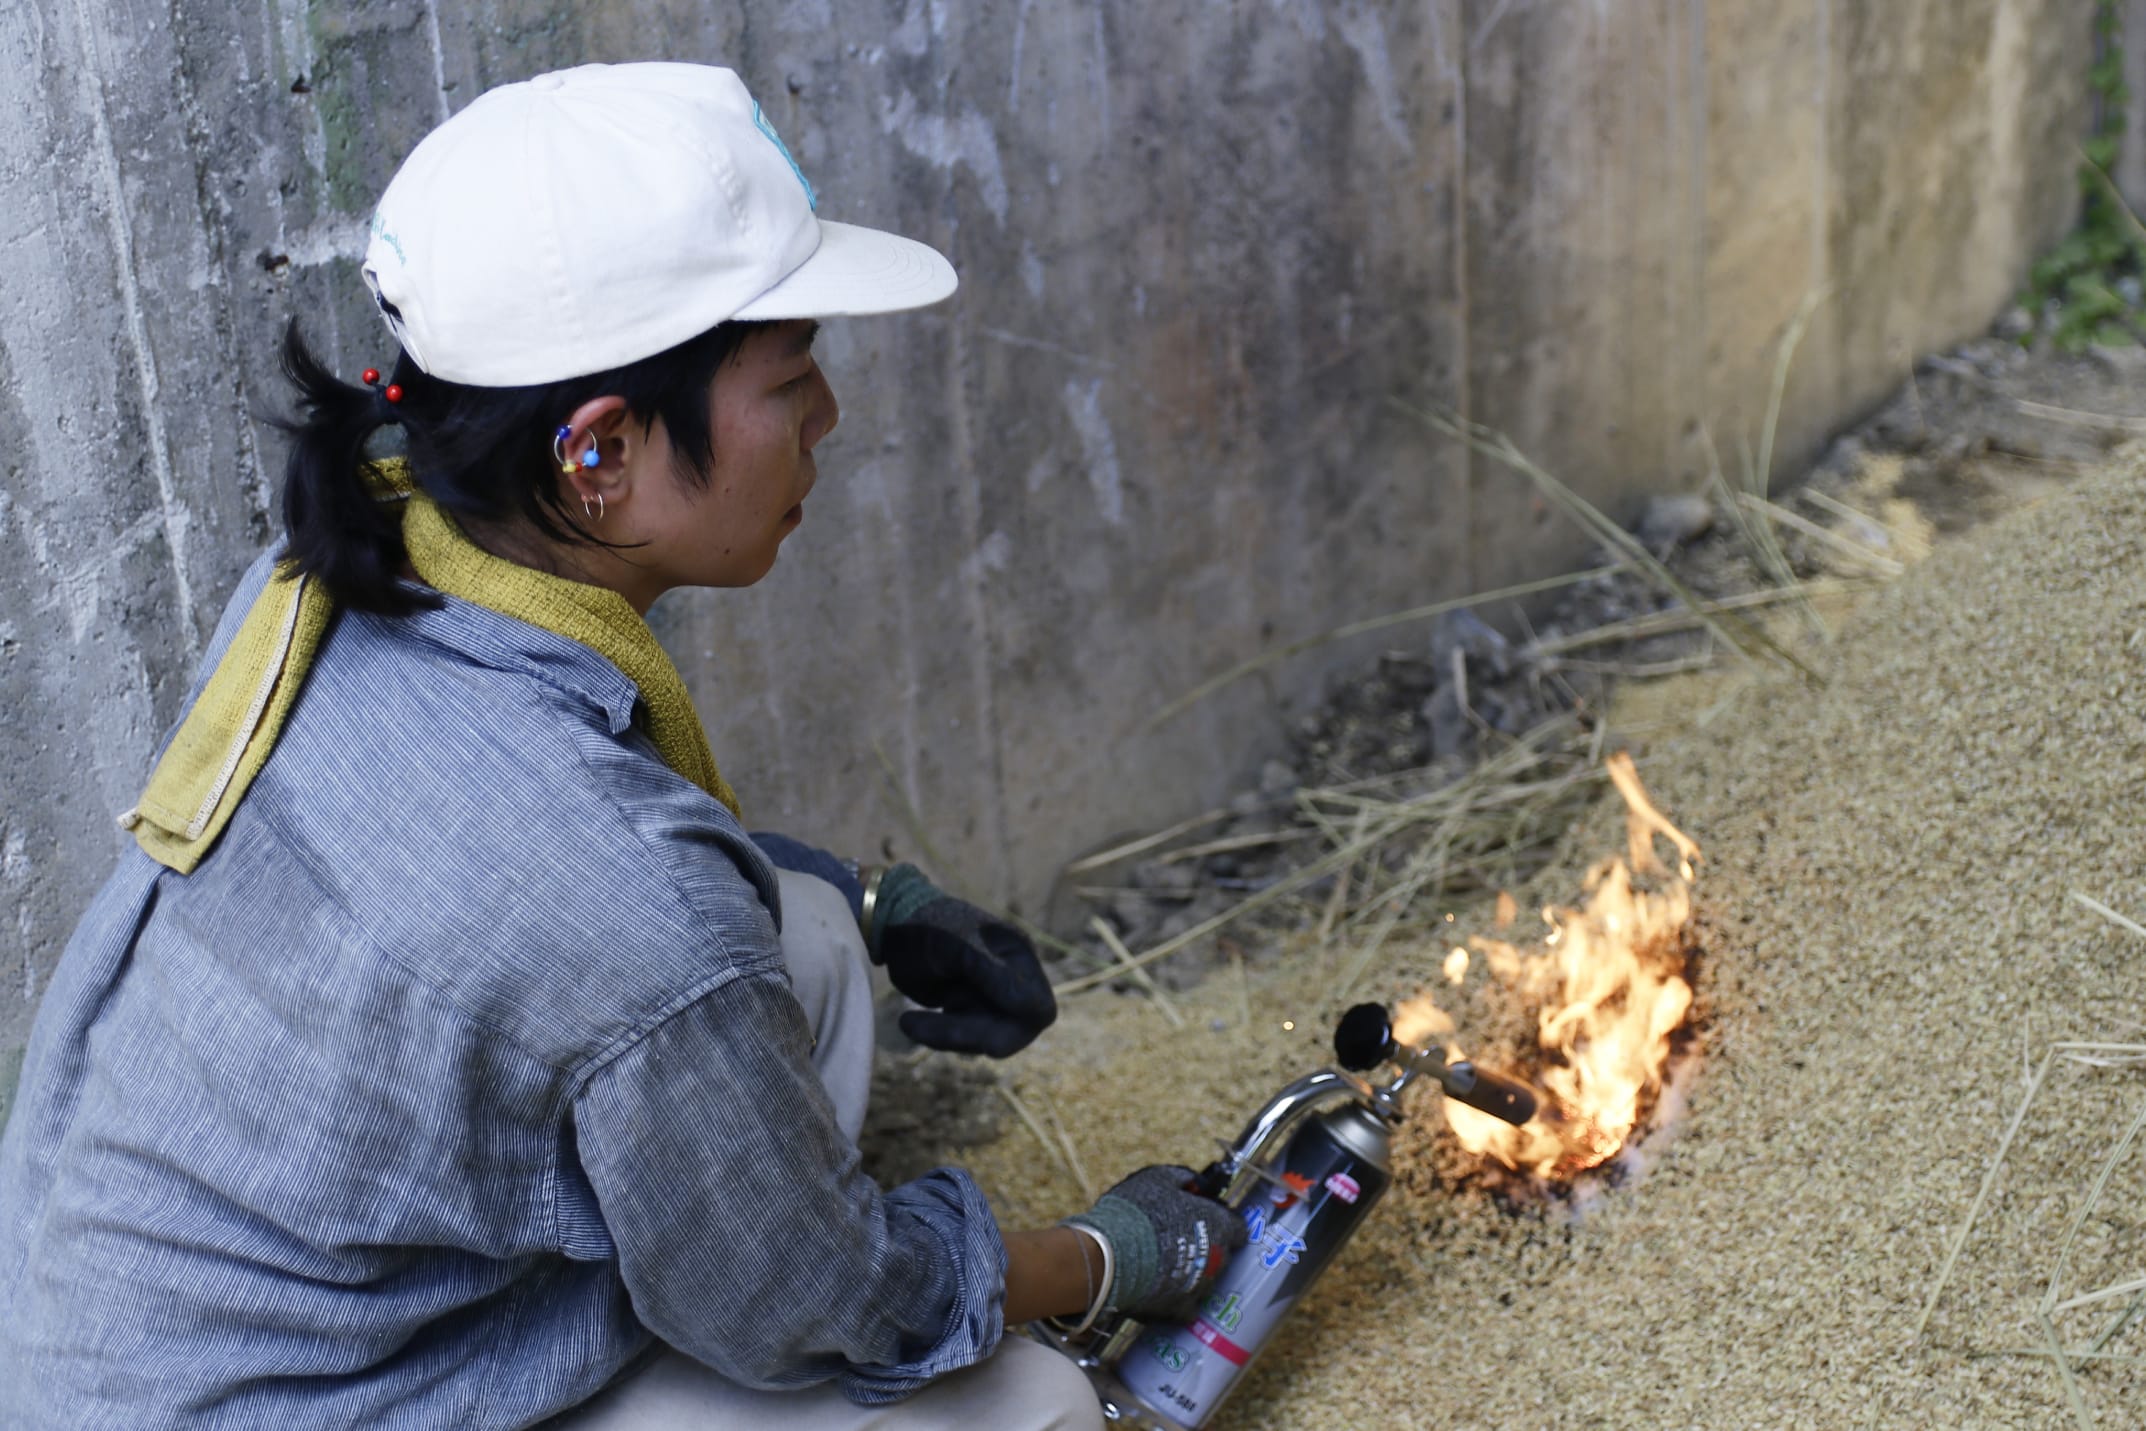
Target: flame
(1608, 984)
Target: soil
(1887, 944)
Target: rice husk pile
(1886, 942)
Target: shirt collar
(509, 644)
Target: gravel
(1885, 940)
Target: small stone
(1277, 779)
(1673, 520)
(1485, 649)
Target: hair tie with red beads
(371, 378)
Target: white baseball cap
(586, 219)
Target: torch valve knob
(1364, 1038)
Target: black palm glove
(980, 982)
(1167, 1244)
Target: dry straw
(2052, 1301)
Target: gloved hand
(1167, 1245)
(980, 982)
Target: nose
(826, 412)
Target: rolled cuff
(948, 1202)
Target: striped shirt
(462, 1068)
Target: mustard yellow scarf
(228, 734)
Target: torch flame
(1608, 981)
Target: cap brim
(856, 271)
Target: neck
(592, 564)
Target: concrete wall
(1203, 245)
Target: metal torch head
(1364, 1039)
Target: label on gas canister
(1297, 1223)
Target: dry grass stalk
(1080, 1169)
(2122, 1321)
(2107, 913)
(1477, 827)
(1742, 636)
(1318, 869)
(1989, 1180)
(1493, 812)
(1784, 360)
(2099, 1295)
(1665, 623)
(2051, 1304)
(2125, 1358)
(1233, 842)
(2072, 1393)
(1028, 1119)
(1145, 843)
(1360, 628)
(1644, 670)
(1758, 538)
(1338, 899)
(2079, 417)
(1849, 513)
(1429, 861)
(1825, 536)
(1124, 956)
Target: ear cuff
(568, 464)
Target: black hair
(484, 454)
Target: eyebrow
(802, 343)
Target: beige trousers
(1021, 1387)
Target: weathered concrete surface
(1206, 251)
(2131, 152)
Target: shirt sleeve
(787, 853)
(748, 1237)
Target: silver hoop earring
(599, 514)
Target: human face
(769, 406)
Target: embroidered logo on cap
(387, 236)
(812, 199)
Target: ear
(604, 425)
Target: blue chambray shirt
(463, 1066)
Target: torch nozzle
(1491, 1093)
(1364, 1039)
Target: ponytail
(338, 531)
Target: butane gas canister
(1299, 1214)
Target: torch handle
(1211, 1181)
(1500, 1097)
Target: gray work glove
(1167, 1244)
(981, 985)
